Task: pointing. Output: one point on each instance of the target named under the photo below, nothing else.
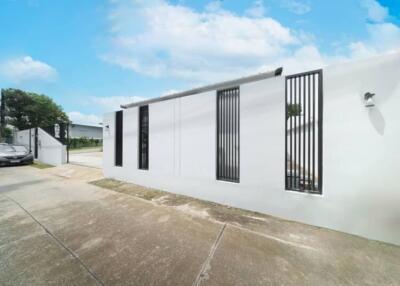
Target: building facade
(87, 131)
(314, 147)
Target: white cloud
(214, 6)
(383, 38)
(100, 105)
(256, 10)
(26, 69)
(81, 118)
(160, 39)
(303, 59)
(111, 103)
(376, 12)
(298, 7)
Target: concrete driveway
(57, 229)
(87, 157)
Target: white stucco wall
(361, 158)
(26, 138)
(50, 151)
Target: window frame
(312, 97)
(228, 120)
(119, 139)
(143, 165)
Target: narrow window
(303, 142)
(228, 150)
(118, 137)
(144, 137)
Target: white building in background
(307, 147)
(88, 131)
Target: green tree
(27, 109)
(293, 110)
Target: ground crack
(93, 275)
(206, 265)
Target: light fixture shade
(369, 102)
(368, 98)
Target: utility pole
(2, 112)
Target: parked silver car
(14, 155)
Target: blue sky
(91, 56)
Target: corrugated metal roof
(215, 86)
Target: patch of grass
(40, 165)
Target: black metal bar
(286, 125)
(313, 128)
(235, 138)
(229, 132)
(233, 166)
(233, 134)
(67, 143)
(304, 131)
(30, 140)
(320, 130)
(36, 143)
(238, 135)
(223, 135)
(295, 136)
(217, 135)
(118, 138)
(221, 122)
(291, 135)
(309, 133)
(298, 135)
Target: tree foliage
(293, 110)
(27, 109)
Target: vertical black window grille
(118, 137)
(228, 124)
(144, 137)
(303, 142)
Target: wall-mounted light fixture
(368, 99)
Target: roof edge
(215, 86)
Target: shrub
(75, 143)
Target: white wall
(50, 150)
(361, 157)
(26, 138)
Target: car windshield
(20, 148)
(6, 148)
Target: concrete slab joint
(203, 274)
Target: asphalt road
(55, 229)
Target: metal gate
(303, 123)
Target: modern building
(87, 131)
(320, 147)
